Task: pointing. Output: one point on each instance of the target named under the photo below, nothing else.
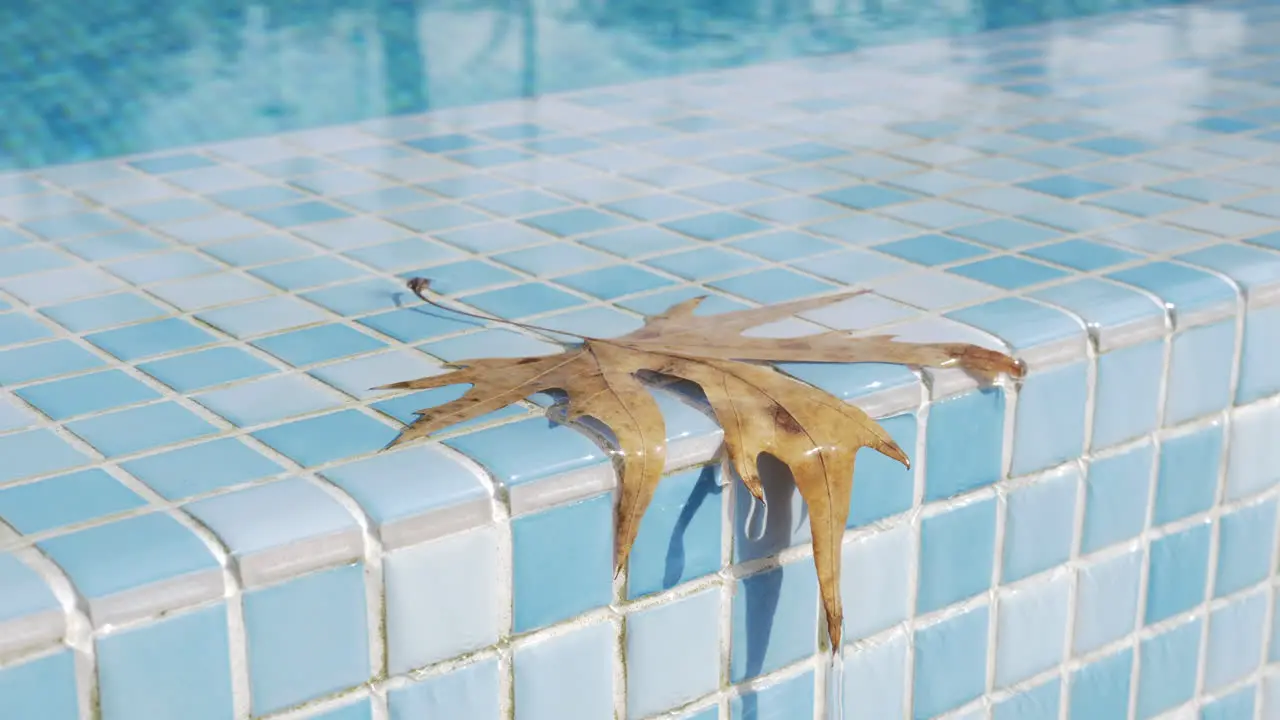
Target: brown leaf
(760, 409)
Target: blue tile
(1057, 131)
(521, 452)
(635, 241)
(775, 619)
(31, 259)
(169, 210)
(715, 226)
(1259, 377)
(158, 267)
(963, 446)
(568, 677)
(950, 663)
(125, 432)
(1239, 705)
(318, 440)
(358, 710)
(789, 698)
(522, 300)
(61, 399)
(679, 535)
(14, 416)
(35, 362)
(494, 342)
(1167, 669)
(1008, 272)
(1107, 600)
(741, 192)
(44, 688)
(418, 323)
(128, 554)
(932, 250)
(783, 246)
(26, 593)
(1225, 125)
(673, 653)
(303, 213)
(65, 500)
(468, 692)
(1083, 255)
(463, 186)
(489, 157)
(271, 314)
(1040, 525)
(289, 662)
(16, 328)
(1140, 203)
(520, 202)
(876, 572)
(136, 342)
(1236, 636)
(578, 221)
(1179, 572)
(302, 274)
(101, 248)
(863, 229)
(1115, 145)
(563, 560)
(552, 259)
(426, 626)
(81, 316)
(177, 667)
(1204, 189)
(494, 237)
(703, 263)
(614, 281)
(771, 286)
(1117, 493)
(599, 322)
(1244, 548)
(248, 521)
(1020, 323)
(444, 143)
(808, 152)
(206, 368)
(36, 452)
(318, 344)
(463, 276)
(1187, 482)
(867, 197)
(437, 217)
(64, 227)
(1186, 289)
(259, 250)
(201, 468)
(1200, 368)
(1127, 397)
(171, 163)
(957, 549)
(257, 196)
(875, 680)
(1039, 703)
(1101, 688)
(1032, 628)
(403, 253)
(656, 208)
(1050, 418)
(794, 210)
(383, 486)
(884, 487)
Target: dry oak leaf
(760, 409)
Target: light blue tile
(83, 394)
(1021, 323)
(680, 532)
(465, 276)
(1101, 688)
(1187, 482)
(43, 689)
(1167, 669)
(1253, 452)
(1038, 703)
(1184, 288)
(36, 452)
(26, 593)
(81, 316)
(789, 698)
(427, 625)
(772, 286)
(1179, 571)
(14, 416)
(781, 521)
(1050, 419)
(703, 263)
(1040, 524)
(876, 571)
(1245, 547)
(17, 328)
(318, 344)
(1107, 600)
(469, 692)
(932, 250)
(270, 399)
(1005, 233)
(65, 500)
(636, 241)
(568, 677)
(289, 662)
(360, 376)
(163, 266)
(775, 619)
(386, 488)
(563, 562)
(35, 362)
(1237, 633)
(1009, 272)
(249, 521)
(302, 274)
(204, 467)
(875, 680)
(128, 554)
(1117, 493)
(1239, 705)
(614, 281)
(1200, 370)
(179, 666)
(673, 653)
(522, 452)
(1032, 629)
(125, 432)
(356, 298)
(950, 663)
(1127, 398)
(358, 710)
(158, 337)
(853, 266)
(964, 443)
(957, 549)
(520, 301)
(326, 438)
(263, 316)
(413, 324)
(578, 221)
(1258, 375)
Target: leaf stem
(419, 285)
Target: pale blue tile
(201, 468)
(1040, 525)
(1200, 368)
(680, 532)
(957, 549)
(673, 653)
(1127, 397)
(964, 443)
(792, 697)
(1117, 493)
(1239, 705)
(568, 677)
(250, 521)
(1237, 633)
(875, 680)
(1245, 547)
(1167, 669)
(125, 432)
(950, 663)
(270, 399)
(775, 620)
(26, 593)
(1050, 418)
(65, 500)
(1187, 481)
(36, 452)
(43, 689)
(1101, 688)
(1032, 627)
(563, 562)
(1038, 703)
(469, 692)
(1107, 600)
(876, 572)
(1179, 572)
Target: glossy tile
(673, 653)
(566, 677)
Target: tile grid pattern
(47, 275)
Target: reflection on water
(82, 80)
